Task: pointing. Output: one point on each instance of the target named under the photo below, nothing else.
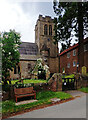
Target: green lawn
(43, 97)
(28, 81)
(84, 89)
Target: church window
(86, 47)
(50, 29)
(15, 71)
(18, 69)
(29, 66)
(45, 29)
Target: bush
(6, 87)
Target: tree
(72, 20)
(65, 46)
(10, 42)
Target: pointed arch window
(50, 29)
(45, 29)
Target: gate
(68, 84)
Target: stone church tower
(44, 39)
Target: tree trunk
(81, 37)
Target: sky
(22, 16)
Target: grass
(84, 89)
(86, 74)
(43, 97)
(28, 81)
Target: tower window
(50, 29)
(45, 29)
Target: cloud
(22, 16)
(12, 16)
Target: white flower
(16, 49)
(46, 67)
(1, 44)
(16, 45)
(6, 36)
(3, 50)
(40, 59)
(40, 64)
(9, 53)
(39, 72)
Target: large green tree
(9, 42)
(72, 20)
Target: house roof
(73, 47)
(28, 48)
(69, 49)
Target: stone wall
(54, 65)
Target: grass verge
(84, 89)
(43, 97)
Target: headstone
(83, 70)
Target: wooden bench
(24, 92)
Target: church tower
(44, 38)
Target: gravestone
(83, 70)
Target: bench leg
(16, 99)
(35, 96)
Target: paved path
(73, 109)
(76, 93)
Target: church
(43, 47)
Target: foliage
(10, 42)
(70, 22)
(43, 98)
(65, 46)
(40, 69)
(84, 89)
(68, 16)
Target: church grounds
(43, 97)
(26, 81)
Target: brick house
(69, 58)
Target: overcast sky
(22, 16)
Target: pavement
(72, 109)
(76, 93)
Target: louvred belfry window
(45, 29)
(50, 29)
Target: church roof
(28, 48)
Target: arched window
(45, 29)
(50, 29)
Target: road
(72, 109)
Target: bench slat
(22, 91)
